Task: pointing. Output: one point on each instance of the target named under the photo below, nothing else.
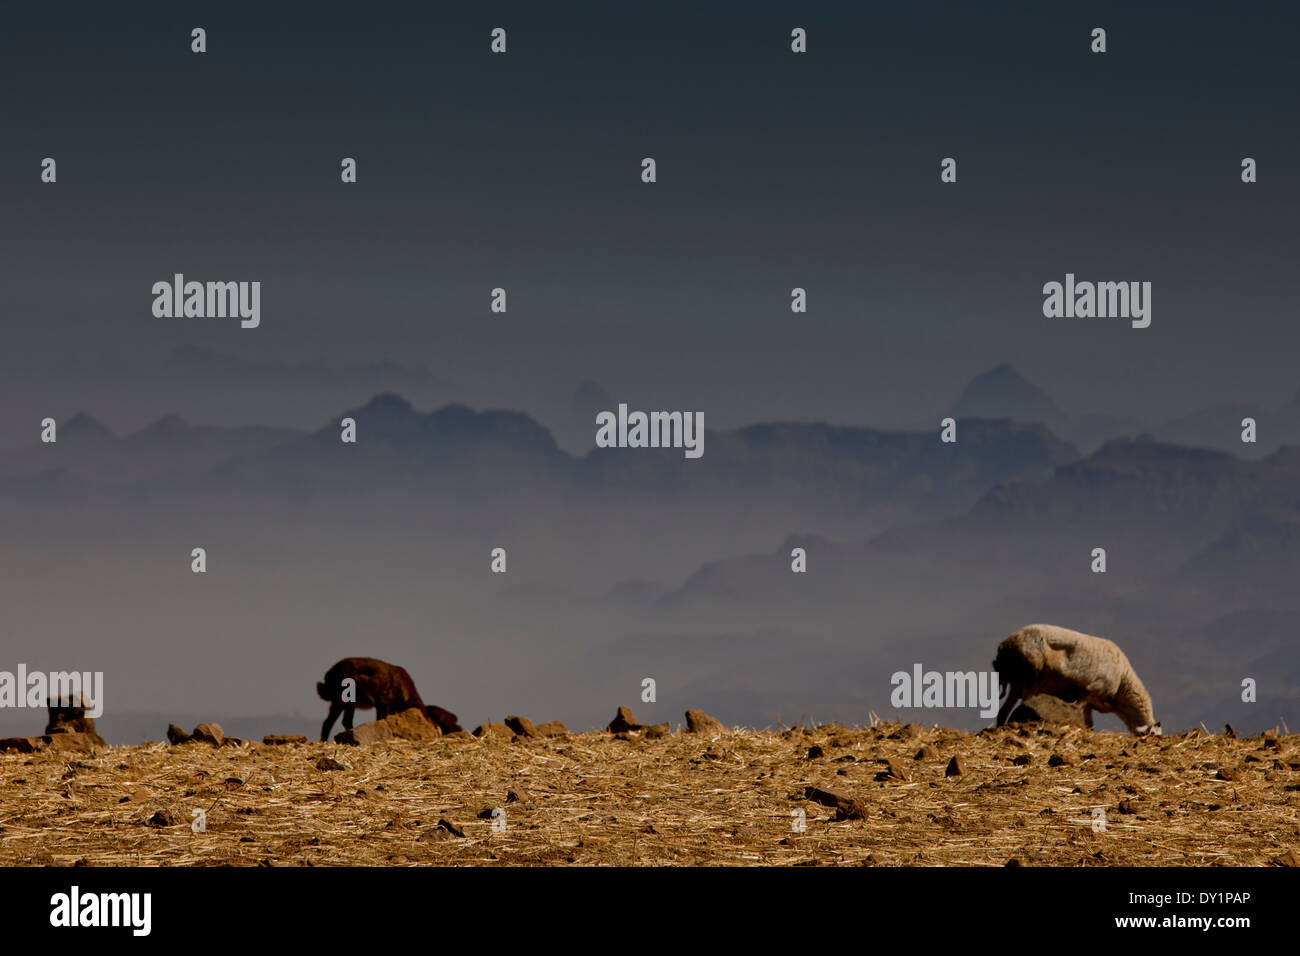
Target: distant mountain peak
(1002, 392)
(86, 426)
(389, 400)
(1006, 371)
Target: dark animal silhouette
(445, 719)
(378, 684)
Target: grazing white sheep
(1080, 668)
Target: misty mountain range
(1002, 392)
(626, 563)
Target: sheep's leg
(1013, 696)
(348, 712)
(333, 715)
(381, 711)
(1087, 716)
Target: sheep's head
(1018, 664)
(445, 719)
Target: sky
(775, 170)
(522, 170)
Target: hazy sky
(775, 170)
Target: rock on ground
(208, 733)
(1043, 708)
(522, 726)
(371, 732)
(698, 722)
(623, 722)
(413, 724)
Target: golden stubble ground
(735, 798)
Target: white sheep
(1080, 668)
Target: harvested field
(730, 799)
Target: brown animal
(378, 684)
(445, 719)
(70, 717)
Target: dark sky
(477, 170)
(775, 170)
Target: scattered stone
(79, 743)
(655, 731)
(522, 726)
(176, 736)
(846, 808)
(1289, 858)
(1044, 708)
(412, 724)
(450, 828)
(208, 734)
(552, 728)
(1227, 773)
(371, 732)
(460, 734)
(496, 731)
(1023, 760)
(1229, 732)
(279, 740)
(927, 752)
(1059, 760)
(814, 752)
(164, 818)
(329, 763)
(1126, 806)
(698, 722)
(623, 722)
(23, 745)
(894, 770)
(955, 767)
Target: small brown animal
(378, 684)
(69, 717)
